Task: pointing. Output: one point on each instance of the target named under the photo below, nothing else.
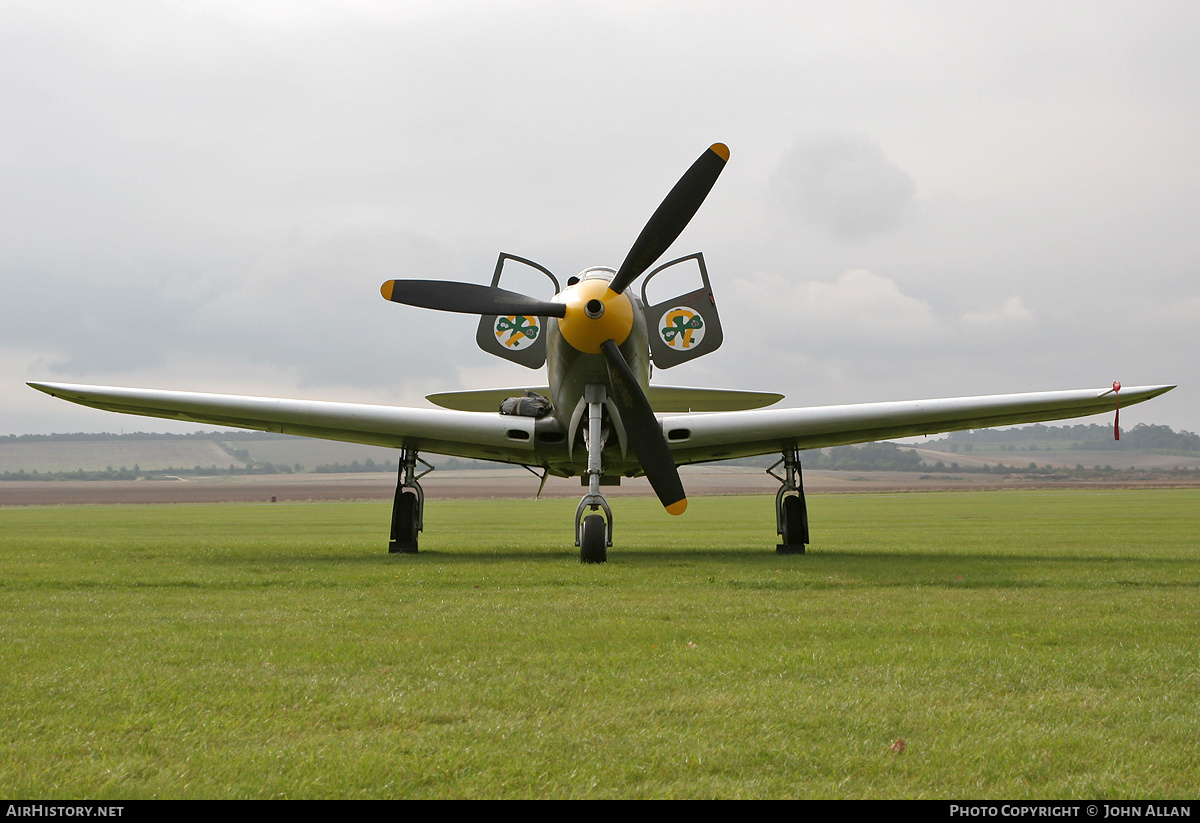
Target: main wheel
(404, 525)
(795, 525)
(593, 542)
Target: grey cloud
(846, 183)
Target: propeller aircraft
(598, 417)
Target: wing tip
(1137, 394)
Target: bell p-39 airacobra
(599, 418)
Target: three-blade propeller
(582, 320)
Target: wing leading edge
(456, 433)
(696, 438)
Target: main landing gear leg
(408, 507)
(791, 512)
(593, 534)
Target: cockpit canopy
(593, 273)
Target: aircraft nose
(595, 313)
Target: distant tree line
(125, 473)
(885, 456)
(355, 467)
(867, 457)
(1091, 437)
(99, 436)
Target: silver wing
(461, 434)
(699, 437)
(693, 437)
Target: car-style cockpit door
(684, 327)
(518, 338)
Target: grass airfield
(1021, 644)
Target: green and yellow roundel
(681, 328)
(516, 331)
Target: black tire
(404, 525)
(795, 521)
(593, 541)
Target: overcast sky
(922, 199)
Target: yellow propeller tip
(386, 289)
(677, 508)
(721, 150)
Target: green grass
(1022, 644)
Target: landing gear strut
(408, 507)
(791, 512)
(593, 534)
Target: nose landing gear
(593, 534)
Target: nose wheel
(593, 533)
(593, 540)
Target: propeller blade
(672, 216)
(644, 432)
(468, 298)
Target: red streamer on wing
(1117, 415)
